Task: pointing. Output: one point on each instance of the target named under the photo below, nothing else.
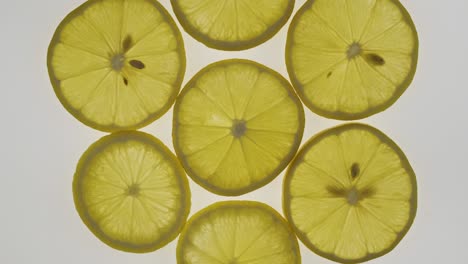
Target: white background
(41, 142)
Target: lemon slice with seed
(237, 232)
(351, 59)
(117, 64)
(232, 24)
(350, 194)
(131, 192)
(236, 126)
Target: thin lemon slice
(232, 24)
(350, 194)
(131, 192)
(237, 124)
(351, 59)
(238, 232)
(117, 64)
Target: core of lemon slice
(117, 64)
(350, 194)
(236, 126)
(131, 192)
(235, 232)
(351, 59)
(232, 24)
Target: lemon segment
(232, 24)
(131, 192)
(349, 60)
(117, 64)
(350, 194)
(237, 232)
(236, 126)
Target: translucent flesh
(319, 185)
(232, 20)
(111, 98)
(131, 193)
(332, 82)
(238, 233)
(210, 106)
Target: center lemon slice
(237, 232)
(237, 124)
(131, 192)
(117, 64)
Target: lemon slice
(117, 64)
(350, 194)
(237, 124)
(237, 232)
(232, 24)
(351, 59)
(131, 192)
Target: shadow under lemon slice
(116, 64)
(237, 232)
(350, 194)
(131, 192)
(236, 126)
(351, 59)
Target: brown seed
(367, 192)
(355, 170)
(137, 64)
(127, 43)
(375, 59)
(336, 191)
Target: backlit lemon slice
(350, 194)
(232, 24)
(237, 124)
(131, 192)
(117, 64)
(240, 232)
(351, 59)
